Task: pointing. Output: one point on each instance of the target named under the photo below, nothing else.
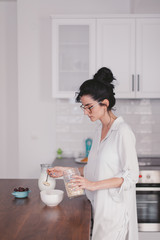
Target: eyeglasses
(88, 109)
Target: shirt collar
(116, 123)
(114, 127)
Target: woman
(111, 173)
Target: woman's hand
(56, 171)
(83, 183)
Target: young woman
(110, 176)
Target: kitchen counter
(68, 162)
(31, 219)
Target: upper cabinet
(73, 55)
(148, 58)
(116, 50)
(131, 49)
(128, 45)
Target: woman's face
(92, 108)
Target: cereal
(72, 191)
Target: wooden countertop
(31, 219)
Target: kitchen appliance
(148, 195)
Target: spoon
(46, 183)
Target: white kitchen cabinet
(73, 55)
(130, 48)
(116, 50)
(148, 58)
(149, 235)
(127, 44)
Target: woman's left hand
(83, 183)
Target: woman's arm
(58, 171)
(83, 183)
(128, 157)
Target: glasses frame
(89, 109)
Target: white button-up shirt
(114, 209)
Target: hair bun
(104, 75)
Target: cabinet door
(73, 55)
(149, 235)
(148, 58)
(116, 50)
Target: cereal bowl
(51, 197)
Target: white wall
(36, 107)
(37, 143)
(28, 128)
(8, 90)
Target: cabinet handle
(132, 82)
(138, 81)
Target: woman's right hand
(56, 171)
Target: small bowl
(51, 197)
(21, 194)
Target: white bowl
(51, 197)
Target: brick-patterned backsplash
(72, 127)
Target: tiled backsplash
(72, 127)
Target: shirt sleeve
(129, 163)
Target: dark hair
(99, 88)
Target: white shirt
(115, 215)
